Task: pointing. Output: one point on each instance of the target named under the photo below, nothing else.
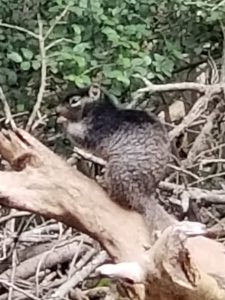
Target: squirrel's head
(72, 107)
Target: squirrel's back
(121, 131)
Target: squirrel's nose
(62, 120)
(61, 112)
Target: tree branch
(6, 108)
(56, 42)
(89, 156)
(43, 76)
(57, 20)
(222, 75)
(21, 29)
(196, 111)
(43, 183)
(168, 87)
(90, 210)
(213, 196)
(207, 91)
(41, 38)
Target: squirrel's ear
(95, 91)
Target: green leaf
(150, 75)
(28, 54)
(111, 34)
(177, 54)
(76, 29)
(86, 80)
(135, 45)
(16, 57)
(114, 74)
(77, 10)
(125, 44)
(141, 70)
(118, 75)
(124, 79)
(53, 65)
(79, 80)
(160, 77)
(137, 62)
(159, 58)
(25, 65)
(80, 61)
(66, 56)
(80, 47)
(36, 65)
(116, 90)
(115, 11)
(94, 62)
(104, 282)
(77, 39)
(83, 3)
(167, 67)
(54, 70)
(125, 62)
(71, 77)
(147, 60)
(95, 6)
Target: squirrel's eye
(74, 101)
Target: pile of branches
(41, 258)
(46, 260)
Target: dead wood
(48, 186)
(176, 267)
(56, 254)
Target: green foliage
(104, 282)
(118, 38)
(16, 57)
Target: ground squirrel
(134, 143)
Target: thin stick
(30, 296)
(222, 75)
(80, 276)
(43, 76)
(179, 86)
(14, 258)
(8, 115)
(19, 29)
(183, 171)
(57, 20)
(89, 156)
(56, 42)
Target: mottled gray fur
(134, 144)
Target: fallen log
(180, 265)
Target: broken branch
(45, 184)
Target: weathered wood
(43, 183)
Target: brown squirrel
(134, 143)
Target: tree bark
(177, 266)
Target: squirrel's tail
(155, 215)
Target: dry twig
(80, 276)
(18, 28)
(43, 76)
(8, 114)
